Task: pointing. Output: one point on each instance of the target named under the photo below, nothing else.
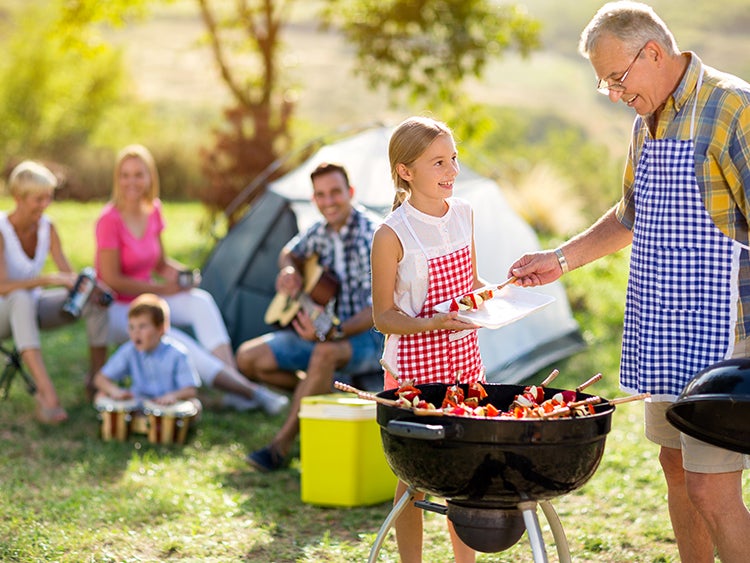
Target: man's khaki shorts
(697, 456)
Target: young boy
(159, 369)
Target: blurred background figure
(28, 299)
(130, 258)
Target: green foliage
(65, 97)
(78, 15)
(518, 142)
(53, 93)
(424, 52)
(428, 48)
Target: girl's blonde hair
(408, 141)
(142, 153)
(31, 177)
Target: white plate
(507, 306)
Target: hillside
(170, 69)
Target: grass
(70, 497)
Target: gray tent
(240, 272)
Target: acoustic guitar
(319, 288)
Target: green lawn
(70, 497)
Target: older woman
(130, 258)
(28, 300)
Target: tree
(58, 84)
(425, 48)
(257, 124)
(62, 86)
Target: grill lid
(715, 406)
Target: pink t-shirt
(138, 256)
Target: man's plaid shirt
(356, 235)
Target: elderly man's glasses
(605, 87)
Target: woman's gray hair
(31, 177)
(633, 23)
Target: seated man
(341, 241)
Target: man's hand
(289, 281)
(304, 326)
(538, 268)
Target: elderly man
(685, 211)
(341, 240)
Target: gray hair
(633, 23)
(31, 177)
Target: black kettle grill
(491, 472)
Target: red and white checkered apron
(439, 356)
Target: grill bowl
(492, 463)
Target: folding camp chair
(13, 366)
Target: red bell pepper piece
(477, 390)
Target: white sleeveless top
(438, 236)
(18, 265)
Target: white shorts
(697, 456)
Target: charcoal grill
(493, 473)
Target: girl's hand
(450, 321)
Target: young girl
(422, 255)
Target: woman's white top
(435, 237)
(18, 265)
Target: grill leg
(528, 509)
(395, 512)
(563, 551)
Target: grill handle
(419, 431)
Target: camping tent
(240, 272)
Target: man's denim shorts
(293, 353)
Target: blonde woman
(130, 259)
(30, 299)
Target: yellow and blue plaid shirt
(722, 157)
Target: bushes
(52, 96)
(65, 100)
(556, 178)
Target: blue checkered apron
(680, 310)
